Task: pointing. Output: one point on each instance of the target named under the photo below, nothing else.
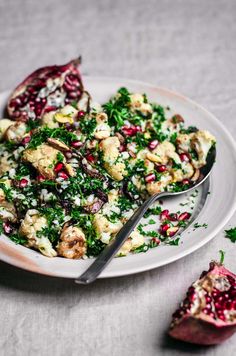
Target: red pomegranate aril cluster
(25, 140)
(164, 215)
(63, 175)
(160, 168)
(58, 167)
(164, 228)
(153, 144)
(7, 227)
(156, 241)
(90, 158)
(184, 216)
(30, 104)
(81, 114)
(131, 130)
(41, 178)
(76, 144)
(23, 183)
(184, 157)
(150, 178)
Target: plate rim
(180, 254)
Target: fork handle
(114, 246)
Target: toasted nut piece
(30, 226)
(4, 124)
(70, 170)
(153, 158)
(43, 158)
(72, 243)
(196, 175)
(66, 114)
(16, 132)
(59, 145)
(63, 119)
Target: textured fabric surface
(185, 45)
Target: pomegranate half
(44, 90)
(207, 316)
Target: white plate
(216, 211)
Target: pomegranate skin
(44, 90)
(200, 331)
(197, 327)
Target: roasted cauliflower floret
(134, 241)
(48, 120)
(72, 243)
(102, 224)
(6, 163)
(137, 102)
(186, 172)
(4, 124)
(110, 147)
(183, 142)
(102, 130)
(163, 152)
(30, 226)
(43, 158)
(160, 185)
(16, 132)
(201, 142)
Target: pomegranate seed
(150, 178)
(68, 87)
(153, 144)
(161, 168)
(90, 158)
(72, 94)
(184, 157)
(164, 215)
(41, 178)
(138, 129)
(164, 228)
(63, 175)
(50, 108)
(80, 114)
(172, 231)
(155, 240)
(25, 140)
(23, 183)
(58, 167)
(128, 131)
(68, 154)
(173, 217)
(122, 148)
(76, 144)
(185, 181)
(184, 216)
(7, 227)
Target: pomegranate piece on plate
(207, 316)
(44, 90)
